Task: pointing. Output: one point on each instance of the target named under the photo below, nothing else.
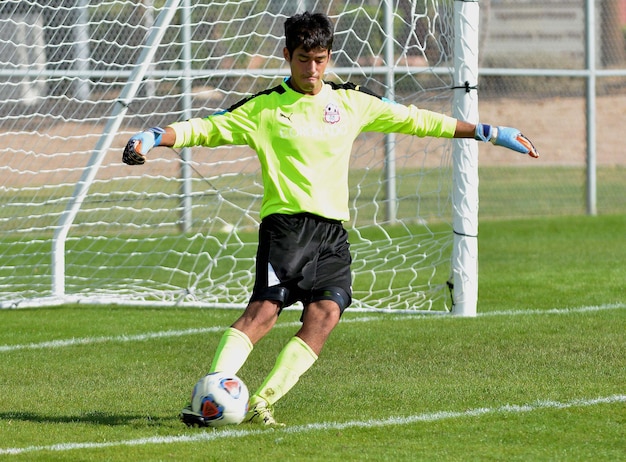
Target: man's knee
(258, 319)
(336, 294)
(276, 294)
(325, 310)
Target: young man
(302, 131)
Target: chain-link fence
(556, 69)
(542, 69)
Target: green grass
(505, 192)
(446, 381)
(513, 192)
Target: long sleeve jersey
(304, 142)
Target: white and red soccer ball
(221, 399)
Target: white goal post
(79, 226)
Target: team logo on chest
(331, 114)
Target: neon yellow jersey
(304, 142)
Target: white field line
(241, 433)
(237, 432)
(180, 333)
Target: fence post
(390, 139)
(187, 88)
(590, 109)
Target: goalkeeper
(302, 131)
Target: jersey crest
(331, 113)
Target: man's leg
(231, 352)
(300, 353)
(237, 342)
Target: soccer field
(539, 374)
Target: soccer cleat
(261, 413)
(191, 418)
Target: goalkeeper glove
(506, 136)
(139, 145)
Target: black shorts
(303, 258)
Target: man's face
(307, 69)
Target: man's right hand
(140, 144)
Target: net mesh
(182, 228)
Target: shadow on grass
(94, 418)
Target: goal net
(80, 77)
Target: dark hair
(310, 31)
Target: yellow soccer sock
(293, 361)
(232, 352)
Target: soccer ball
(221, 399)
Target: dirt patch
(557, 126)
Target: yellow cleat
(259, 412)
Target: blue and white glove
(139, 145)
(507, 137)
